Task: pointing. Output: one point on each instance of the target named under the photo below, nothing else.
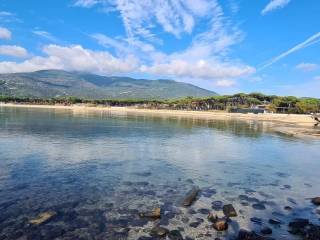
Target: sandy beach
(290, 124)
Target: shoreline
(289, 124)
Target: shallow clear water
(98, 170)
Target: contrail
(310, 41)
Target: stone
(194, 224)
(256, 220)
(175, 235)
(217, 205)
(204, 211)
(313, 233)
(246, 235)
(159, 231)
(259, 206)
(156, 213)
(299, 223)
(316, 201)
(43, 218)
(288, 208)
(219, 224)
(229, 210)
(191, 197)
(266, 231)
(274, 221)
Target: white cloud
(5, 33)
(274, 5)
(225, 83)
(310, 41)
(205, 58)
(13, 51)
(200, 69)
(307, 67)
(73, 58)
(317, 78)
(45, 34)
(86, 3)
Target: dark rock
(274, 221)
(316, 200)
(194, 224)
(159, 231)
(266, 230)
(299, 223)
(143, 174)
(175, 235)
(258, 206)
(190, 197)
(256, 220)
(291, 200)
(288, 208)
(246, 235)
(204, 211)
(313, 233)
(217, 205)
(208, 192)
(229, 210)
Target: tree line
(277, 104)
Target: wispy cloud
(204, 58)
(5, 33)
(274, 5)
(307, 67)
(13, 51)
(310, 41)
(45, 35)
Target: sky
(229, 46)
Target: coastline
(288, 124)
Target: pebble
(316, 200)
(175, 235)
(266, 230)
(229, 210)
(159, 231)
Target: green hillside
(55, 83)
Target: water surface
(98, 170)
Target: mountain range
(58, 83)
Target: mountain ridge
(58, 83)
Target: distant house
(253, 109)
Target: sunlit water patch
(94, 173)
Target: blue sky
(229, 46)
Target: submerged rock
(229, 210)
(274, 221)
(246, 235)
(159, 231)
(298, 226)
(266, 231)
(316, 200)
(43, 217)
(156, 213)
(256, 220)
(313, 233)
(175, 235)
(217, 205)
(259, 206)
(191, 197)
(219, 224)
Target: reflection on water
(98, 170)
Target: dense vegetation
(227, 102)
